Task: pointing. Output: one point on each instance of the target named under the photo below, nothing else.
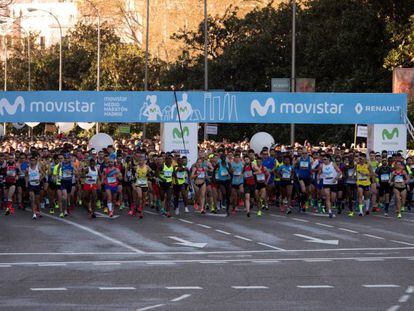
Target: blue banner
(210, 107)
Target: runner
(329, 173)
(111, 179)
(90, 186)
(180, 176)
(286, 173)
(34, 175)
(398, 180)
(383, 174)
(140, 191)
(198, 175)
(365, 177)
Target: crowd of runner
(63, 176)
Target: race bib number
(224, 173)
(11, 173)
(111, 180)
(180, 175)
(303, 164)
(261, 177)
(350, 173)
(399, 178)
(167, 173)
(362, 177)
(237, 173)
(142, 181)
(66, 174)
(286, 175)
(248, 174)
(201, 175)
(385, 177)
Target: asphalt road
(206, 262)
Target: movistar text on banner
(200, 107)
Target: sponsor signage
(362, 131)
(390, 137)
(212, 129)
(280, 85)
(172, 139)
(204, 107)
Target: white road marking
(348, 230)
(298, 219)
(106, 263)
(369, 259)
(401, 242)
(151, 307)
(270, 246)
(381, 286)
(393, 308)
(100, 215)
(203, 226)
(404, 298)
(40, 289)
(183, 242)
(5, 266)
(374, 236)
(317, 260)
(155, 263)
(213, 261)
(317, 240)
(242, 238)
(180, 298)
(250, 287)
(410, 290)
(324, 225)
(94, 232)
(117, 288)
(314, 286)
(52, 265)
(183, 287)
(221, 231)
(186, 221)
(265, 261)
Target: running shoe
(140, 215)
(52, 211)
(106, 210)
(399, 215)
(7, 212)
(122, 206)
(34, 217)
(177, 211)
(11, 210)
(61, 215)
(66, 214)
(131, 213)
(402, 209)
(351, 214)
(288, 211)
(98, 204)
(195, 206)
(259, 213)
(366, 213)
(163, 211)
(56, 206)
(168, 214)
(241, 203)
(360, 214)
(186, 210)
(203, 211)
(214, 210)
(111, 214)
(330, 214)
(93, 215)
(386, 214)
(248, 214)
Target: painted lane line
(96, 233)
(404, 298)
(265, 261)
(213, 262)
(270, 246)
(151, 213)
(369, 259)
(374, 236)
(221, 231)
(41, 289)
(401, 242)
(242, 238)
(348, 230)
(298, 219)
(117, 288)
(203, 226)
(393, 308)
(106, 263)
(52, 265)
(160, 263)
(5, 266)
(186, 221)
(314, 286)
(180, 298)
(410, 290)
(317, 260)
(183, 287)
(381, 286)
(151, 307)
(324, 225)
(250, 287)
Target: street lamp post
(144, 127)
(98, 65)
(293, 80)
(60, 41)
(205, 59)
(5, 75)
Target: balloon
(1, 130)
(85, 125)
(100, 141)
(18, 126)
(32, 124)
(65, 126)
(260, 140)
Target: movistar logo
(387, 135)
(177, 132)
(256, 107)
(184, 109)
(12, 109)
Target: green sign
(386, 135)
(177, 132)
(124, 129)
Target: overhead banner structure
(390, 137)
(202, 107)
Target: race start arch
(203, 107)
